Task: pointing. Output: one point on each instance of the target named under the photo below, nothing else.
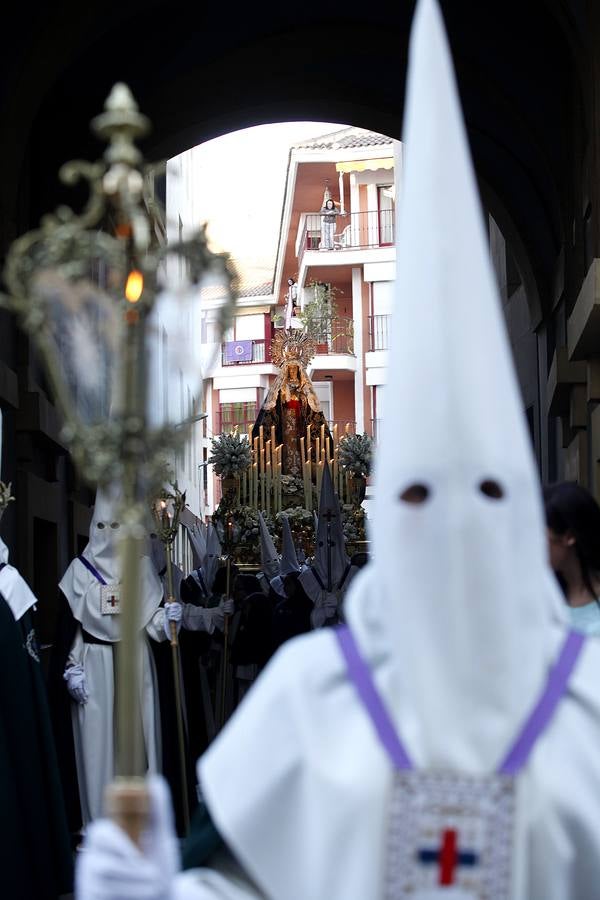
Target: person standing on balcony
(329, 216)
(291, 302)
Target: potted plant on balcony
(230, 457)
(356, 456)
(320, 316)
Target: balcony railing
(354, 231)
(379, 332)
(244, 353)
(333, 335)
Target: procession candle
(335, 436)
(273, 442)
(255, 485)
(328, 450)
(347, 427)
(279, 472)
(317, 450)
(335, 465)
(267, 453)
(255, 449)
(308, 485)
(261, 436)
(302, 453)
(250, 437)
(322, 435)
(268, 484)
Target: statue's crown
(292, 345)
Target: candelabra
(92, 290)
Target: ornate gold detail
(5, 497)
(292, 345)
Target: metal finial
(120, 124)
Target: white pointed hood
(452, 615)
(197, 538)
(289, 560)
(213, 552)
(268, 554)
(459, 599)
(82, 588)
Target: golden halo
(292, 344)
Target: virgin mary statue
(291, 405)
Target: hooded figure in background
(91, 586)
(291, 615)
(330, 572)
(35, 851)
(269, 559)
(444, 743)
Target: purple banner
(238, 351)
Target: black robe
(35, 850)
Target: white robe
(312, 823)
(93, 722)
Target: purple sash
(91, 569)
(518, 754)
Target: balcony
(379, 332)
(354, 231)
(333, 335)
(245, 353)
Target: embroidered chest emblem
(449, 830)
(110, 604)
(31, 645)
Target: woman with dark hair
(573, 523)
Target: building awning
(365, 165)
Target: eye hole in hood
(415, 493)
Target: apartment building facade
(354, 272)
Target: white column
(210, 481)
(341, 184)
(359, 375)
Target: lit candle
(322, 435)
(302, 453)
(261, 437)
(347, 427)
(273, 443)
(268, 484)
(279, 473)
(317, 450)
(308, 441)
(255, 484)
(335, 435)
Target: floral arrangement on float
(356, 454)
(354, 525)
(230, 458)
(238, 529)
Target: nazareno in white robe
(93, 722)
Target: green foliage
(356, 453)
(230, 454)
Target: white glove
(173, 613)
(110, 867)
(76, 684)
(228, 607)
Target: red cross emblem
(448, 857)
